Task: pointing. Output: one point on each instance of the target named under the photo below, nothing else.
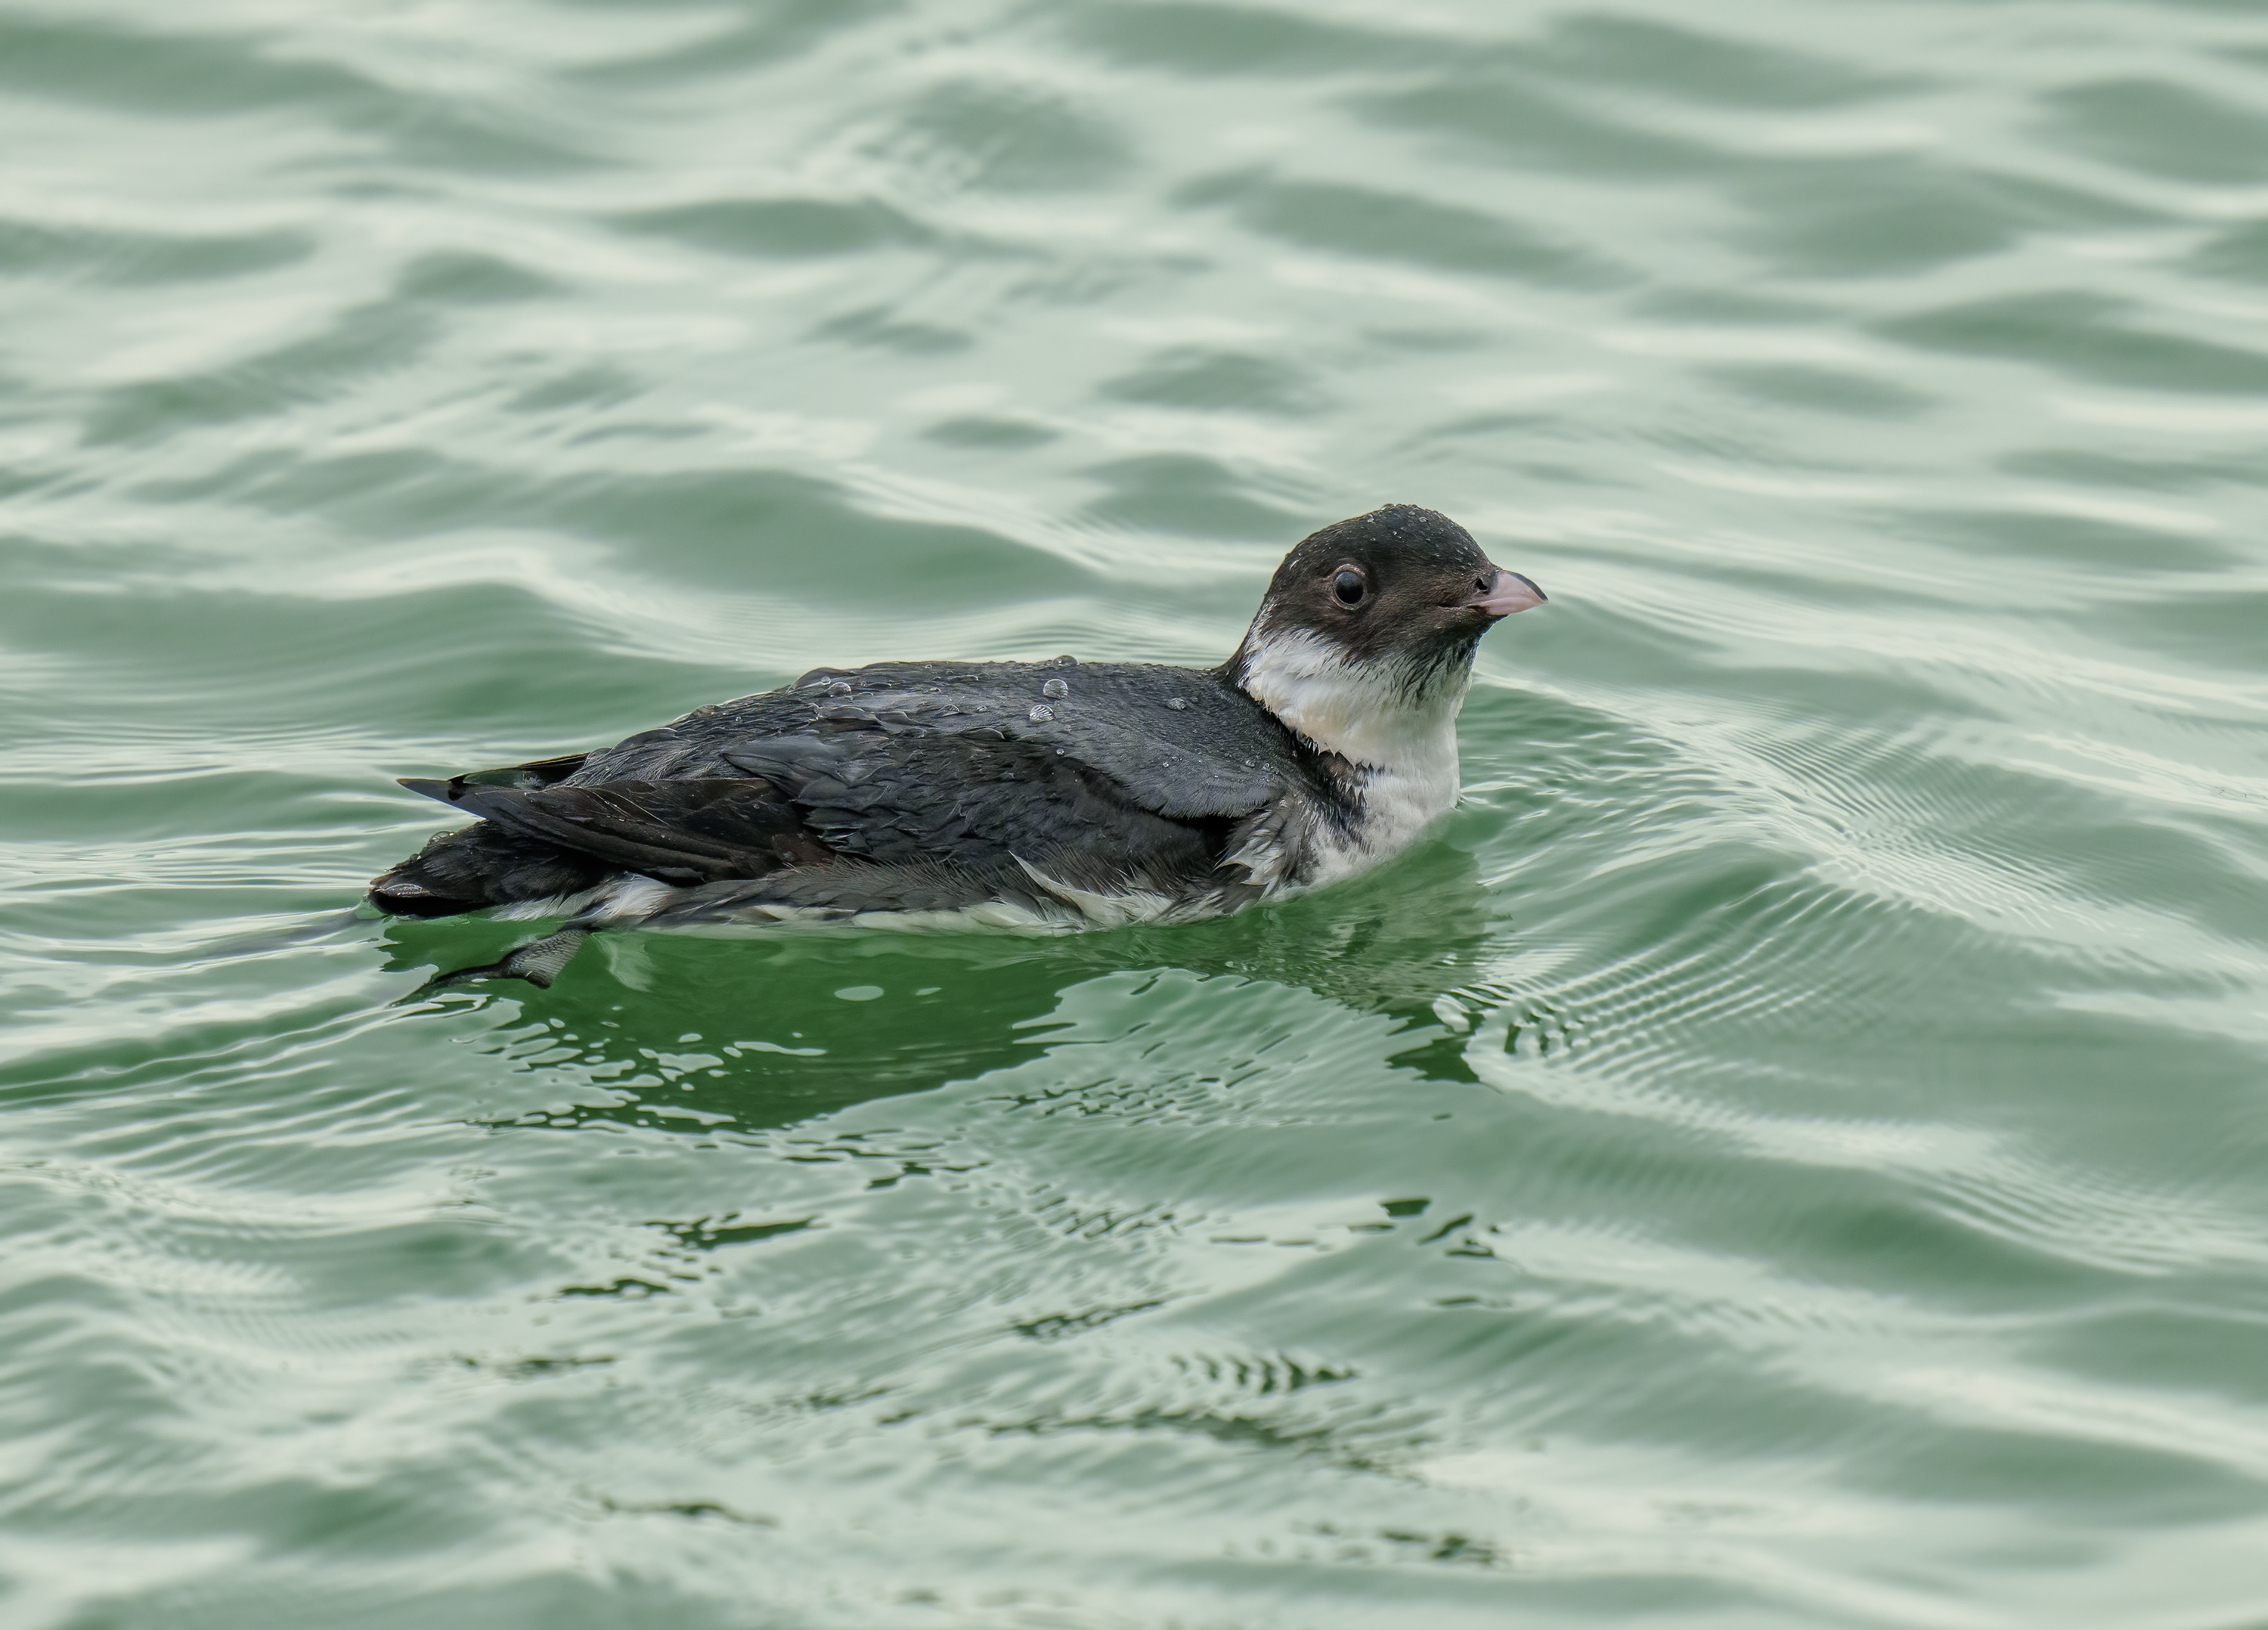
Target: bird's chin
(1452, 670)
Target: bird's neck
(1378, 714)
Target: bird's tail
(480, 866)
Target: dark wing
(1103, 775)
(1179, 742)
(682, 832)
(973, 800)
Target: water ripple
(1789, 1155)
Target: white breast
(1401, 741)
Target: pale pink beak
(1509, 593)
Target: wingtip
(437, 790)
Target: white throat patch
(1364, 711)
(1405, 746)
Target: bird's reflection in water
(775, 1027)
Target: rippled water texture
(1794, 1152)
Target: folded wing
(1106, 775)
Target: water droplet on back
(1177, 703)
(1041, 712)
(1055, 688)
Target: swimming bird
(1056, 794)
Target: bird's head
(1367, 630)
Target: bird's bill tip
(1508, 592)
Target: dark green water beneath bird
(1793, 1153)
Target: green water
(1794, 1153)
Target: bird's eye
(1349, 586)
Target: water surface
(1791, 1154)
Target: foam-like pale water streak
(1792, 1154)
